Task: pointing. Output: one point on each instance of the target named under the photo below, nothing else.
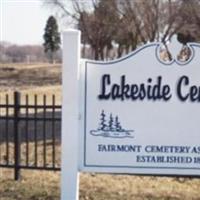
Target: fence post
(16, 135)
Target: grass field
(46, 186)
(37, 185)
(21, 76)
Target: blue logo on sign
(111, 128)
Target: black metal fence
(30, 133)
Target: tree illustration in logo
(112, 128)
(110, 123)
(102, 121)
(117, 124)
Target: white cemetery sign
(138, 114)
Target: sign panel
(141, 114)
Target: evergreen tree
(51, 38)
(111, 122)
(117, 124)
(103, 121)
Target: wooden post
(70, 110)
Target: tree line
(12, 53)
(120, 26)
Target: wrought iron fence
(30, 133)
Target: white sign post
(70, 112)
(139, 114)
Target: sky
(23, 21)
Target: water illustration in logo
(111, 129)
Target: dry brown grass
(39, 91)
(37, 185)
(33, 186)
(18, 77)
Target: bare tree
(129, 23)
(190, 16)
(97, 20)
(153, 20)
(99, 26)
